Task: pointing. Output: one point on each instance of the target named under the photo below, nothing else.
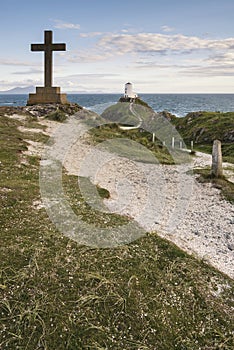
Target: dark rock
(231, 246)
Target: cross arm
(37, 47)
(59, 47)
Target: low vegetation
(58, 295)
(58, 116)
(226, 187)
(141, 149)
(204, 127)
(227, 150)
(137, 101)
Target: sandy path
(200, 222)
(162, 198)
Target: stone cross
(217, 163)
(48, 47)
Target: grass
(120, 113)
(83, 209)
(204, 127)
(141, 149)
(227, 151)
(58, 116)
(226, 187)
(103, 193)
(57, 295)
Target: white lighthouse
(128, 92)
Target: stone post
(173, 142)
(217, 163)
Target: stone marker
(217, 163)
(48, 93)
(173, 142)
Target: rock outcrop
(43, 110)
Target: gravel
(163, 198)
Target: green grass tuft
(58, 116)
(226, 187)
(204, 127)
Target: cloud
(65, 25)
(210, 71)
(227, 58)
(6, 84)
(90, 35)
(90, 82)
(86, 77)
(30, 71)
(161, 43)
(175, 49)
(156, 65)
(10, 62)
(93, 82)
(167, 29)
(88, 56)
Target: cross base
(45, 95)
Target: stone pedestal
(45, 95)
(217, 162)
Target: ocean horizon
(179, 104)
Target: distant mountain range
(19, 90)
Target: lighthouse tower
(128, 92)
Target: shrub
(58, 116)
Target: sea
(177, 104)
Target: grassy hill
(204, 127)
(136, 152)
(58, 295)
(139, 113)
(201, 127)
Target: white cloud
(210, 71)
(90, 35)
(160, 58)
(222, 58)
(65, 25)
(30, 71)
(6, 84)
(12, 62)
(88, 56)
(161, 43)
(93, 82)
(167, 29)
(184, 55)
(94, 77)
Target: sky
(161, 46)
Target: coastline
(177, 104)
